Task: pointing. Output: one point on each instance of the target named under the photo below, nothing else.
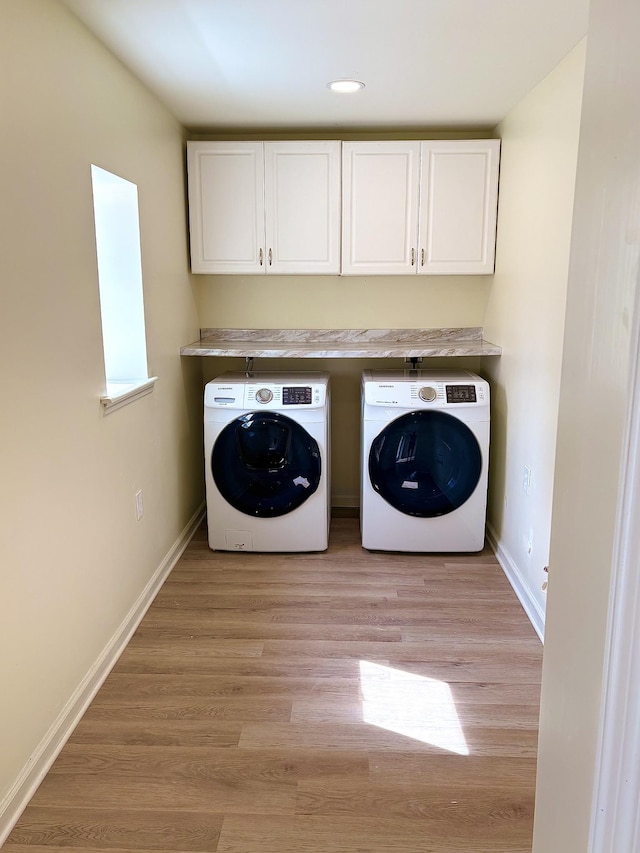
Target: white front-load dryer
(266, 440)
(425, 460)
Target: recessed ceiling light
(345, 87)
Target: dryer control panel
(461, 393)
(424, 390)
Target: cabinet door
(380, 207)
(226, 206)
(458, 206)
(302, 189)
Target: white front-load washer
(266, 439)
(425, 459)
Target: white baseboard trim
(514, 576)
(40, 761)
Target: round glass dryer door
(425, 463)
(265, 465)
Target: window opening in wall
(115, 205)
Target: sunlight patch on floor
(411, 705)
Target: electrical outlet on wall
(139, 505)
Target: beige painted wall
(341, 302)
(73, 559)
(525, 314)
(597, 391)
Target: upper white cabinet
(257, 207)
(302, 182)
(458, 206)
(380, 191)
(226, 206)
(419, 207)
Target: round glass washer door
(265, 464)
(425, 463)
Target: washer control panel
(271, 396)
(261, 392)
(290, 395)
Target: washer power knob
(428, 394)
(264, 395)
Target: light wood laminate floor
(343, 702)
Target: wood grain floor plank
(455, 774)
(158, 732)
(309, 590)
(176, 586)
(481, 740)
(79, 828)
(180, 625)
(116, 790)
(122, 687)
(171, 709)
(417, 650)
(10, 847)
(148, 658)
(338, 834)
(338, 710)
(226, 649)
(477, 809)
(225, 766)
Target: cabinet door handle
(422, 258)
(413, 257)
(261, 257)
(270, 258)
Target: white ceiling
(438, 64)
